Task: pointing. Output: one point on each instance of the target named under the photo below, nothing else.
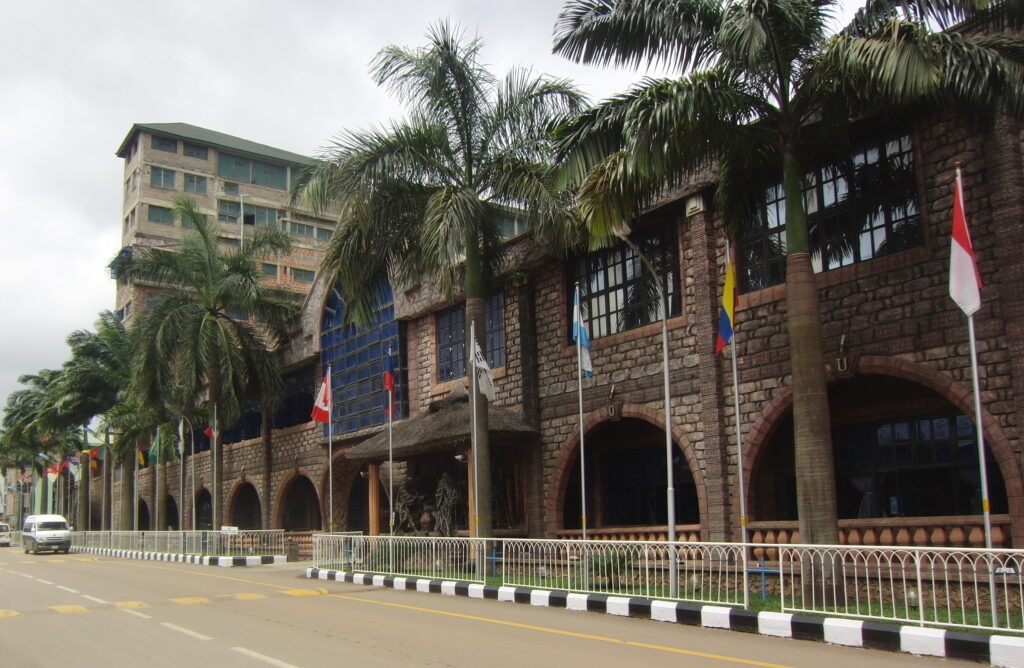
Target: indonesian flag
(964, 279)
(322, 405)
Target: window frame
(196, 180)
(160, 177)
(165, 144)
(450, 337)
(613, 280)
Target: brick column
(700, 248)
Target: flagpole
(135, 491)
(330, 452)
(982, 468)
(739, 441)
(192, 472)
(391, 452)
(156, 485)
(214, 449)
(472, 438)
(579, 394)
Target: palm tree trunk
(161, 494)
(475, 304)
(84, 475)
(812, 434)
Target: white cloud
(76, 75)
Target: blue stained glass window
(356, 358)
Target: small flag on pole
(388, 378)
(139, 457)
(579, 333)
(484, 377)
(727, 314)
(964, 279)
(322, 405)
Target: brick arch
(567, 453)
(756, 442)
(277, 515)
(345, 471)
(236, 484)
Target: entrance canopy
(444, 427)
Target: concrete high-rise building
(241, 184)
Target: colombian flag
(727, 314)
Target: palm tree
(216, 328)
(33, 423)
(762, 89)
(94, 382)
(422, 199)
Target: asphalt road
(83, 611)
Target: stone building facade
(896, 359)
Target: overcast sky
(75, 75)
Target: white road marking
(45, 582)
(263, 657)
(188, 632)
(68, 589)
(137, 614)
(93, 598)
(26, 575)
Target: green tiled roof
(217, 140)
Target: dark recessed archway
(301, 511)
(173, 518)
(245, 507)
(143, 515)
(626, 480)
(204, 510)
(900, 450)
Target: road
(83, 611)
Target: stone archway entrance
(203, 510)
(301, 510)
(173, 518)
(626, 479)
(905, 457)
(245, 507)
(143, 515)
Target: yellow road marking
(9, 613)
(27, 561)
(246, 597)
(56, 561)
(68, 609)
(560, 632)
(130, 605)
(190, 600)
(304, 592)
(85, 559)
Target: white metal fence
(949, 587)
(953, 588)
(205, 543)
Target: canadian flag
(964, 279)
(322, 405)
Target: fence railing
(946, 587)
(205, 543)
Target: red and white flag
(964, 279)
(322, 405)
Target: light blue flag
(579, 333)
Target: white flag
(484, 377)
(964, 280)
(579, 334)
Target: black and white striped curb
(184, 558)
(993, 649)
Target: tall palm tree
(422, 199)
(216, 328)
(33, 423)
(764, 89)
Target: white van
(5, 534)
(46, 532)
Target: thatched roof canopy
(444, 427)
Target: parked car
(5, 534)
(46, 532)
